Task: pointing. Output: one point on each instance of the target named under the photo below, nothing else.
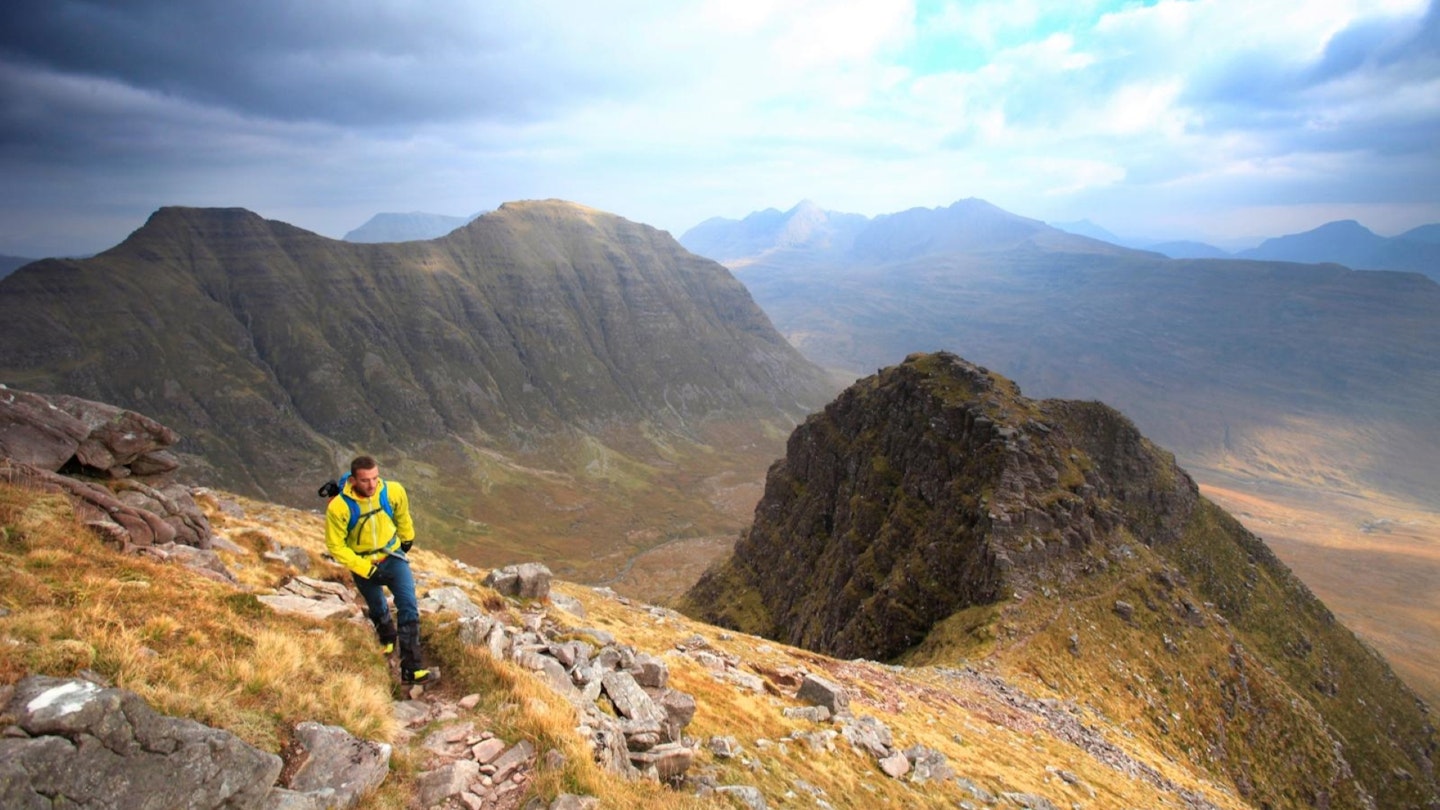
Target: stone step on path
(463, 764)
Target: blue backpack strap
(385, 501)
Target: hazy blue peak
(1425, 233)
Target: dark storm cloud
(1275, 85)
(320, 60)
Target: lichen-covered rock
(106, 748)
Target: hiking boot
(385, 629)
(422, 677)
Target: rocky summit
(931, 514)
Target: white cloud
(674, 112)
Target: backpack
(334, 489)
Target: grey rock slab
(818, 691)
(513, 759)
(337, 761)
(447, 781)
(106, 748)
(450, 598)
(629, 699)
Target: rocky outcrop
(639, 732)
(932, 512)
(58, 431)
(111, 462)
(74, 743)
(928, 488)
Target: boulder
(666, 762)
(526, 581)
(103, 747)
(35, 432)
(895, 765)
(748, 796)
(868, 734)
(132, 525)
(629, 699)
(332, 761)
(818, 691)
(450, 598)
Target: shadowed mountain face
(274, 351)
(1308, 373)
(932, 514)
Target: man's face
(365, 482)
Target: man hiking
(368, 530)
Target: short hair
(363, 463)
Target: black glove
(405, 545)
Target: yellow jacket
(360, 550)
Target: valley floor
(1374, 560)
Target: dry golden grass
(197, 648)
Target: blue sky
(1223, 120)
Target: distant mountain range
(1344, 242)
(410, 227)
(1232, 363)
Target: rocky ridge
(931, 514)
(655, 696)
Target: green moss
(966, 634)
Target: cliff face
(267, 346)
(930, 488)
(932, 514)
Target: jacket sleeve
(400, 501)
(336, 526)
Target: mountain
(1213, 357)
(1178, 249)
(1346, 242)
(805, 227)
(1184, 249)
(9, 264)
(1429, 234)
(552, 354)
(411, 227)
(1302, 394)
(933, 515)
(1084, 227)
(1349, 243)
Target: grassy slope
(1226, 651)
(72, 603)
